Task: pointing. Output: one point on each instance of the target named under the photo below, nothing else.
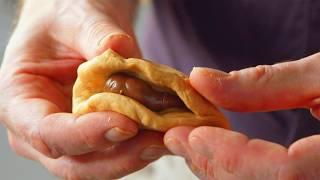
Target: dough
(89, 94)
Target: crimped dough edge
(89, 95)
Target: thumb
(94, 34)
(263, 88)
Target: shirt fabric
(231, 35)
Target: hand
(215, 153)
(50, 41)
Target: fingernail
(175, 146)
(119, 42)
(117, 135)
(315, 111)
(153, 152)
(198, 145)
(107, 38)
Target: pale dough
(89, 95)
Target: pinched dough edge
(89, 95)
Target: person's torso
(231, 35)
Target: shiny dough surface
(89, 94)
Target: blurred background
(13, 167)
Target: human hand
(50, 41)
(215, 153)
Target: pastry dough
(89, 94)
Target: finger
(197, 171)
(67, 134)
(225, 154)
(112, 163)
(56, 134)
(303, 159)
(233, 154)
(94, 32)
(21, 147)
(176, 141)
(262, 88)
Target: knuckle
(15, 145)
(87, 138)
(263, 73)
(195, 170)
(209, 170)
(259, 73)
(229, 165)
(69, 172)
(10, 77)
(87, 141)
(91, 134)
(37, 141)
(72, 174)
(202, 167)
(95, 29)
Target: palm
(46, 74)
(37, 78)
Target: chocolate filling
(142, 92)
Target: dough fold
(89, 94)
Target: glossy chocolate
(142, 92)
